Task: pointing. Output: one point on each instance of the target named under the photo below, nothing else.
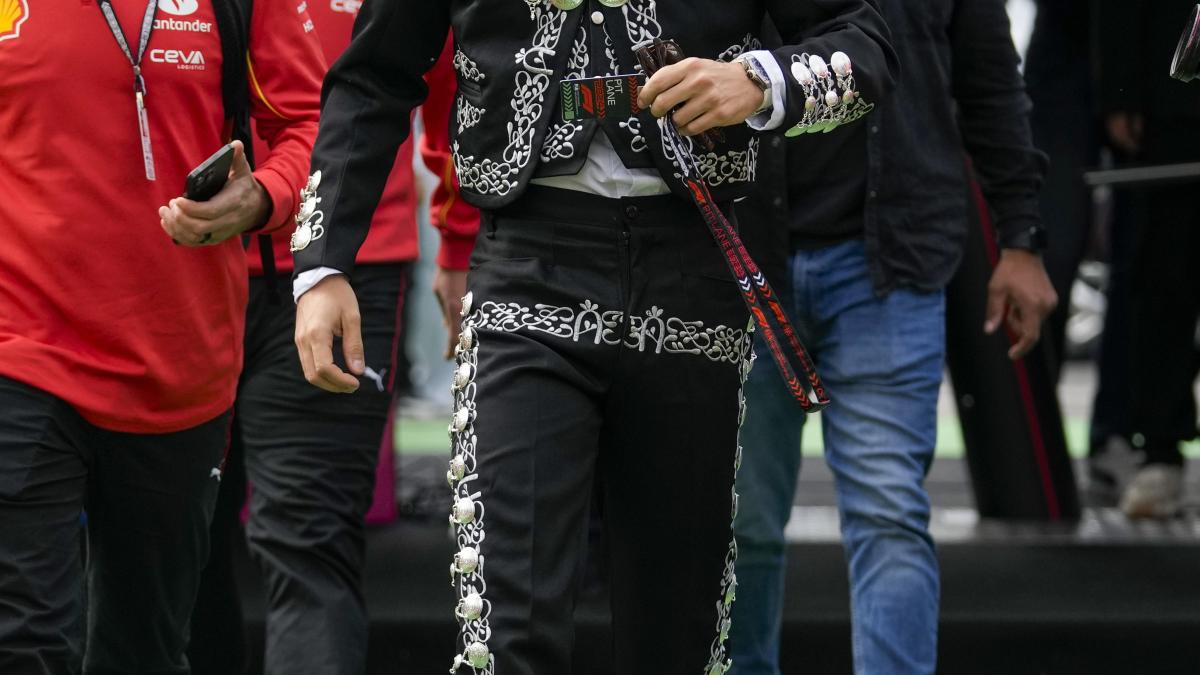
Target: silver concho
(458, 467)
(464, 511)
(467, 560)
(462, 376)
(301, 238)
(477, 655)
(466, 338)
(462, 417)
(471, 607)
(308, 231)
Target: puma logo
(376, 377)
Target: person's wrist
(263, 207)
(1031, 238)
(761, 83)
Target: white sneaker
(1155, 492)
(1110, 469)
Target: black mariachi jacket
(510, 56)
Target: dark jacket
(959, 93)
(510, 60)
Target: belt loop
(489, 223)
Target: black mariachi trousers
(604, 345)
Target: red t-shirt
(393, 233)
(97, 305)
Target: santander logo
(179, 7)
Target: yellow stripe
(448, 181)
(258, 89)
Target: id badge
(596, 98)
(144, 133)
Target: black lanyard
(139, 82)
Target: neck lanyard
(139, 83)
(756, 292)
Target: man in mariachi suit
(603, 342)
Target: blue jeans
(881, 359)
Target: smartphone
(207, 179)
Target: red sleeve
(285, 69)
(457, 220)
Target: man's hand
(1019, 294)
(326, 310)
(712, 94)
(1125, 131)
(449, 287)
(242, 204)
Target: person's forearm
(994, 116)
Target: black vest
(507, 125)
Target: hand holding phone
(207, 179)
(223, 200)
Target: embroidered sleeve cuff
(766, 65)
(455, 252)
(283, 198)
(305, 281)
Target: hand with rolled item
(701, 95)
(241, 205)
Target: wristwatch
(1032, 238)
(753, 74)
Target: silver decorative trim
(557, 144)
(633, 125)
(497, 177)
(652, 331)
(468, 115)
(610, 52)
(466, 68)
(467, 513)
(748, 44)
(735, 166)
(308, 218)
(718, 660)
(831, 96)
(641, 22)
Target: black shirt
(960, 94)
(830, 208)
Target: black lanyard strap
(757, 293)
(139, 84)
